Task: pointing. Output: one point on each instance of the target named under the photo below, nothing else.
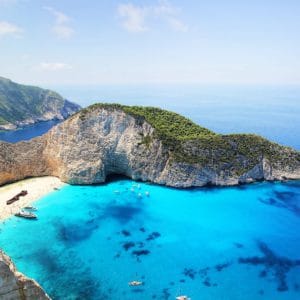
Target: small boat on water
(135, 283)
(183, 298)
(25, 215)
(30, 208)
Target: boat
(30, 208)
(16, 197)
(135, 283)
(25, 215)
(183, 298)
(12, 200)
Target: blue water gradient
(211, 243)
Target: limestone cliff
(15, 286)
(146, 144)
(22, 105)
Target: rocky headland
(147, 144)
(142, 143)
(15, 286)
(22, 105)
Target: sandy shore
(36, 187)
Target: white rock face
(87, 148)
(15, 286)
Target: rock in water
(14, 285)
(147, 144)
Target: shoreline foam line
(36, 187)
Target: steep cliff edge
(147, 144)
(14, 285)
(22, 105)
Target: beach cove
(36, 188)
(90, 241)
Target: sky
(80, 42)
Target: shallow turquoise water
(212, 243)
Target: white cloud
(53, 66)
(134, 17)
(7, 28)
(61, 28)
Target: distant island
(21, 105)
(148, 144)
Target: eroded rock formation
(107, 139)
(15, 286)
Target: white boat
(183, 298)
(25, 215)
(135, 283)
(30, 208)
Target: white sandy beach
(36, 187)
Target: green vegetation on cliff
(168, 125)
(21, 102)
(188, 142)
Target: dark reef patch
(64, 268)
(190, 273)
(140, 252)
(128, 245)
(76, 232)
(166, 294)
(277, 265)
(154, 235)
(126, 233)
(284, 199)
(123, 213)
(220, 267)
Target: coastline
(36, 187)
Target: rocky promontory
(147, 144)
(22, 105)
(15, 286)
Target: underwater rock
(220, 267)
(128, 245)
(140, 252)
(154, 235)
(191, 273)
(126, 233)
(278, 265)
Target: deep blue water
(27, 132)
(213, 243)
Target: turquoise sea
(210, 243)
(237, 243)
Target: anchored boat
(30, 208)
(183, 298)
(135, 283)
(25, 215)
